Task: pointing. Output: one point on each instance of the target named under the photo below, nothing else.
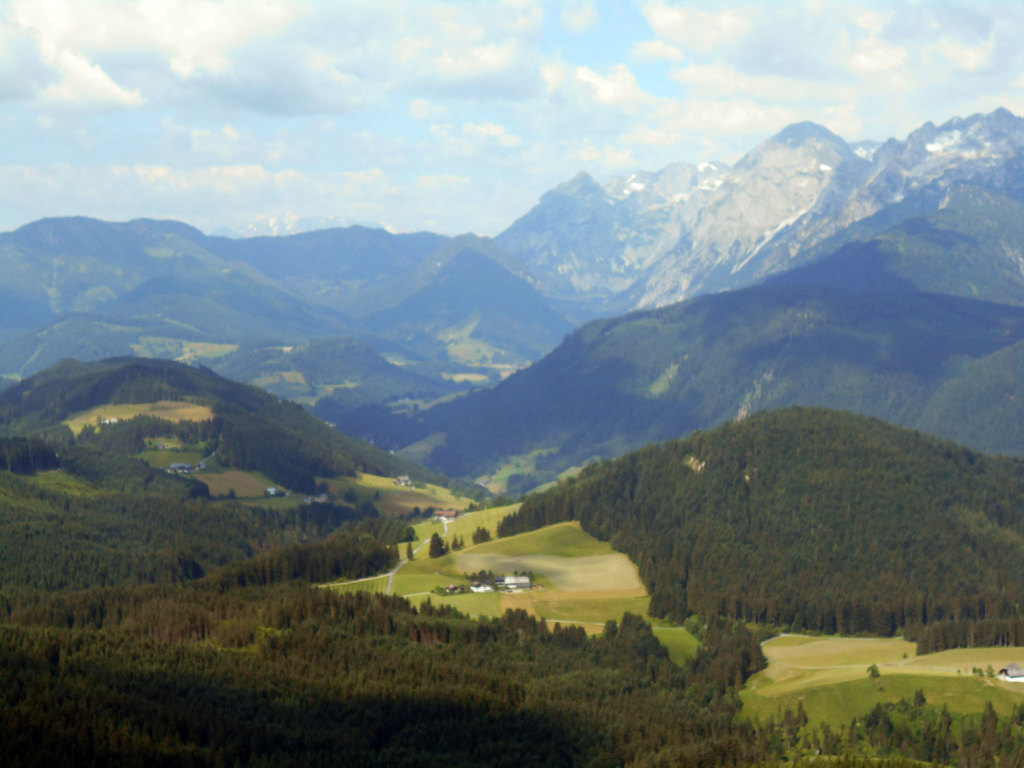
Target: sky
(452, 116)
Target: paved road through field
(393, 571)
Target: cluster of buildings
(185, 469)
(500, 584)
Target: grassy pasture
(61, 482)
(522, 464)
(602, 573)
(829, 675)
(379, 584)
(163, 459)
(182, 351)
(395, 499)
(169, 410)
(245, 484)
(680, 643)
(466, 525)
(583, 580)
(420, 451)
(562, 539)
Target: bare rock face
(651, 239)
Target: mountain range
(650, 239)
(890, 326)
(447, 310)
(882, 278)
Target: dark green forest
(301, 676)
(808, 519)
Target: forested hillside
(156, 678)
(809, 519)
(251, 429)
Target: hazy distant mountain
(475, 309)
(78, 287)
(889, 327)
(651, 239)
(356, 270)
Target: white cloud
(481, 59)
(652, 50)
(966, 58)
(492, 131)
(875, 57)
(620, 88)
(443, 181)
(699, 30)
(609, 156)
(720, 81)
(555, 73)
(580, 18)
(678, 121)
(525, 16)
(422, 109)
(83, 82)
(195, 36)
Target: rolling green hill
(476, 311)
(809, 519)
(253, 429)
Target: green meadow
(523, 464)
(392, 499)
(829, 676)
(577, 578)
(169, 410)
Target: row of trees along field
(808, 519)
(982, 633)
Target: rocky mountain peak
(582, 185)
(652, 238)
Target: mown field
(170, 410)
(246, 485)
(579, 579)
(829, 675)
(393, 499)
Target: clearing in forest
(579, 579)
(394, 499)
(169, 410)
(829, 675)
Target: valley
(714, 465)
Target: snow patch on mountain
(653, 238)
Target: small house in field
(403, 481)
(1012, 673)
(517, 582)
(446, 514)
(272, 491)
